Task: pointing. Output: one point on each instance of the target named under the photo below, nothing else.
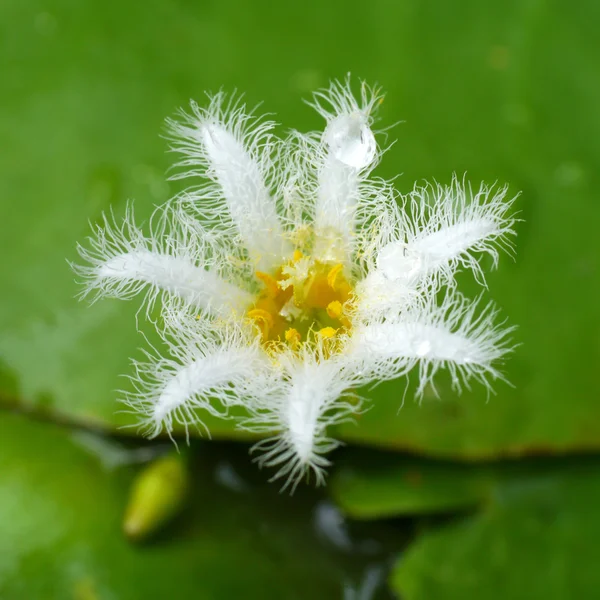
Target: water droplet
(397, 262)
(351, 140)
(424, 348)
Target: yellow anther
(270, 282)
(334, 309)
(263, 319)
(327, 332)
(290, 309)
(292, 337)
(258, 314)
(332, 275)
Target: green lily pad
(373, 485)
(527, 529)
(536, 538)
(62, 511)
(390, 487)
(481, 88)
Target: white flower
(289, 277)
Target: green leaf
(392, 487)
(62, 505)
(481, 87)
(530, 532)
(536, 538)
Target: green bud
(157, 494)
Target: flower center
(302, 301)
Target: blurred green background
(465, 497)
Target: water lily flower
(288, 277)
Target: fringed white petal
(443, 228)
(121, 262)
(377, 296)
(208, 370)
(419, 247)
(348, 152)
(456, 335)
(234, 151)
(306, 402)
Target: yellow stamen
(292, 337)
(332, 275)
(270, 283)
(327, 332)
(263, 319)
(334, 309)
(303, 302)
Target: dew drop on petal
(424, 348)
(351, 140)
(397, 262)
(220, 145)
(209, 136)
